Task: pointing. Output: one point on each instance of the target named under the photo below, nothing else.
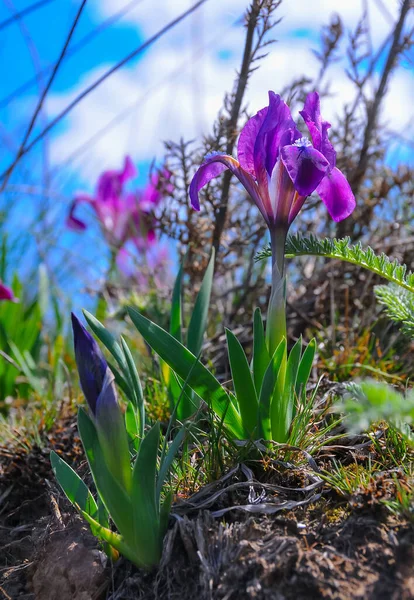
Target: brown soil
(318, 547)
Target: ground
(297, 539)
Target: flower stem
(276, 315)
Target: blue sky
(175, 94)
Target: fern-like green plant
(399, 306)
(372, 401)
(342, 249)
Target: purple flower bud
(91, 363)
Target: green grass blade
(282, 409)
(188, 402)
(135, 385)
(168, 460)
(132, 426)
(305, 368)
(106, 338)
(176, 316)
(165, 513)
(198, 321)
(243, 384)
(291, 379)
(75, 489)
(261, 358)
(112, 494)
(267, 391)
(145, 502)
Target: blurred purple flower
(6, 293)
(150, 272)
(124, 215)
(279, 168)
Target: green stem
(112, 263)
(276, 315)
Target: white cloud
(183, 102)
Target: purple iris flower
(124, 215)
(92, 366)
(6, 293)
(279, 168)
(97, 383)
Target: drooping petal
(318, 129)
(247, 140)
(212, 167)
(306, 167)
(337, 195)
(90, 361)
(6, 293)
(72, 221)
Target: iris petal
(318, 129)
(306, 167)
(276, 123)
(337, 195)
(213, 166)
(247, 140)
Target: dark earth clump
(320, 546)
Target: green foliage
(190, 401)
(403, 503)
(266, 395)
(126, 374)
(20, 326)
(392, 270)
(135, 500)
(24, 343)
(399, 306)
(373, 401)
(188, 367)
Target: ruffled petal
(311, 114)
(306, 167)
(277, 122)
(247, 140)
(337, 195)
(318, 129)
